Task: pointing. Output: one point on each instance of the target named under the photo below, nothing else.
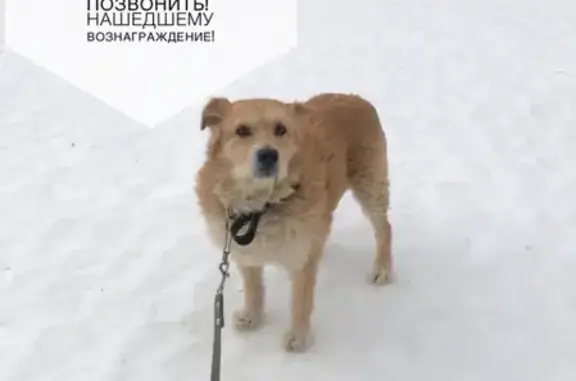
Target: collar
(250, 219)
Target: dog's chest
(279, 240)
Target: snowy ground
(106, 273)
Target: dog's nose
(267, 157)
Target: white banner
(151, 58)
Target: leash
(219, 307)
(238, 222)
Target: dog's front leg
(250, 316)
(299, 337)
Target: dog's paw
(381, 276)
(247, 320)
(297, 341)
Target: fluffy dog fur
(332, 143)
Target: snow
(106, 272)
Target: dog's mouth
(266, 173)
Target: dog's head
(258, 138)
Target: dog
(291, 163)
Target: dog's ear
(214, 112)
(302, 111)
(299, 108)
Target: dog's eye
(280, 129)
(243, 131)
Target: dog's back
(358, 147)
(351, 117)
(355, 142)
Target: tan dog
(295, 161)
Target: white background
(2, 24)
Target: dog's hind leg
(368, 176)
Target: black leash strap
(251, 219)
(219, 308)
